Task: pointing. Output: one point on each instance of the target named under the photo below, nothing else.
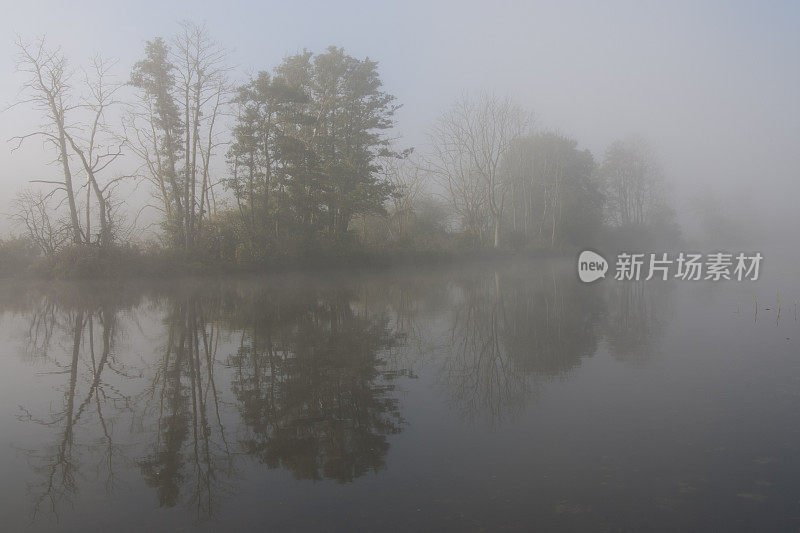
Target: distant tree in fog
(633, 182)
(553, 197)
(637, 207)
(470, 142)
(409, 178)
(36, 212)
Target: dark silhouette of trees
(183, 92)
(306, 145)
(311, 170)
(155, 133)
(313, 385)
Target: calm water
(495, 397)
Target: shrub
(18, 257)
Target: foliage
(312, 176)
(18, 255)
(303, 161)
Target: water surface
(482, 398)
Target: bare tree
(408, 176)
(47, 88)
(202, 82)
(34, 210)
(98, 146)
(183, 95)
(633, 181)
(470, 142)
(77, 127)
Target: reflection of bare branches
(189, 450)
(479, 373)
(59, 463)
(42, 321)
(60, 482)
(636, 317)
(510, 332)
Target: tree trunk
(77, 234)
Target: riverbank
(130, 262)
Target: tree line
(302, 159)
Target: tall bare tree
(97, 145)
(202, 83)
(77, 127)
(47, 89)
(409, 179)
(470, 141)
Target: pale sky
(715, 88)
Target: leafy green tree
(307, 141)
(183, 92)
(255, 158)
(157, 140)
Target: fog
(451, 266)
(713, 88)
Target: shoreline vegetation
(299, 167)
(21, 260)
(18, 260)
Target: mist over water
(712, 87)
(504, 396)
(365, 266)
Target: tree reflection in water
(297, 375)
(312, 384)
(73, 332)
(637, 314)
(189, 447)
(513, 329)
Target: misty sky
(715, 88)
